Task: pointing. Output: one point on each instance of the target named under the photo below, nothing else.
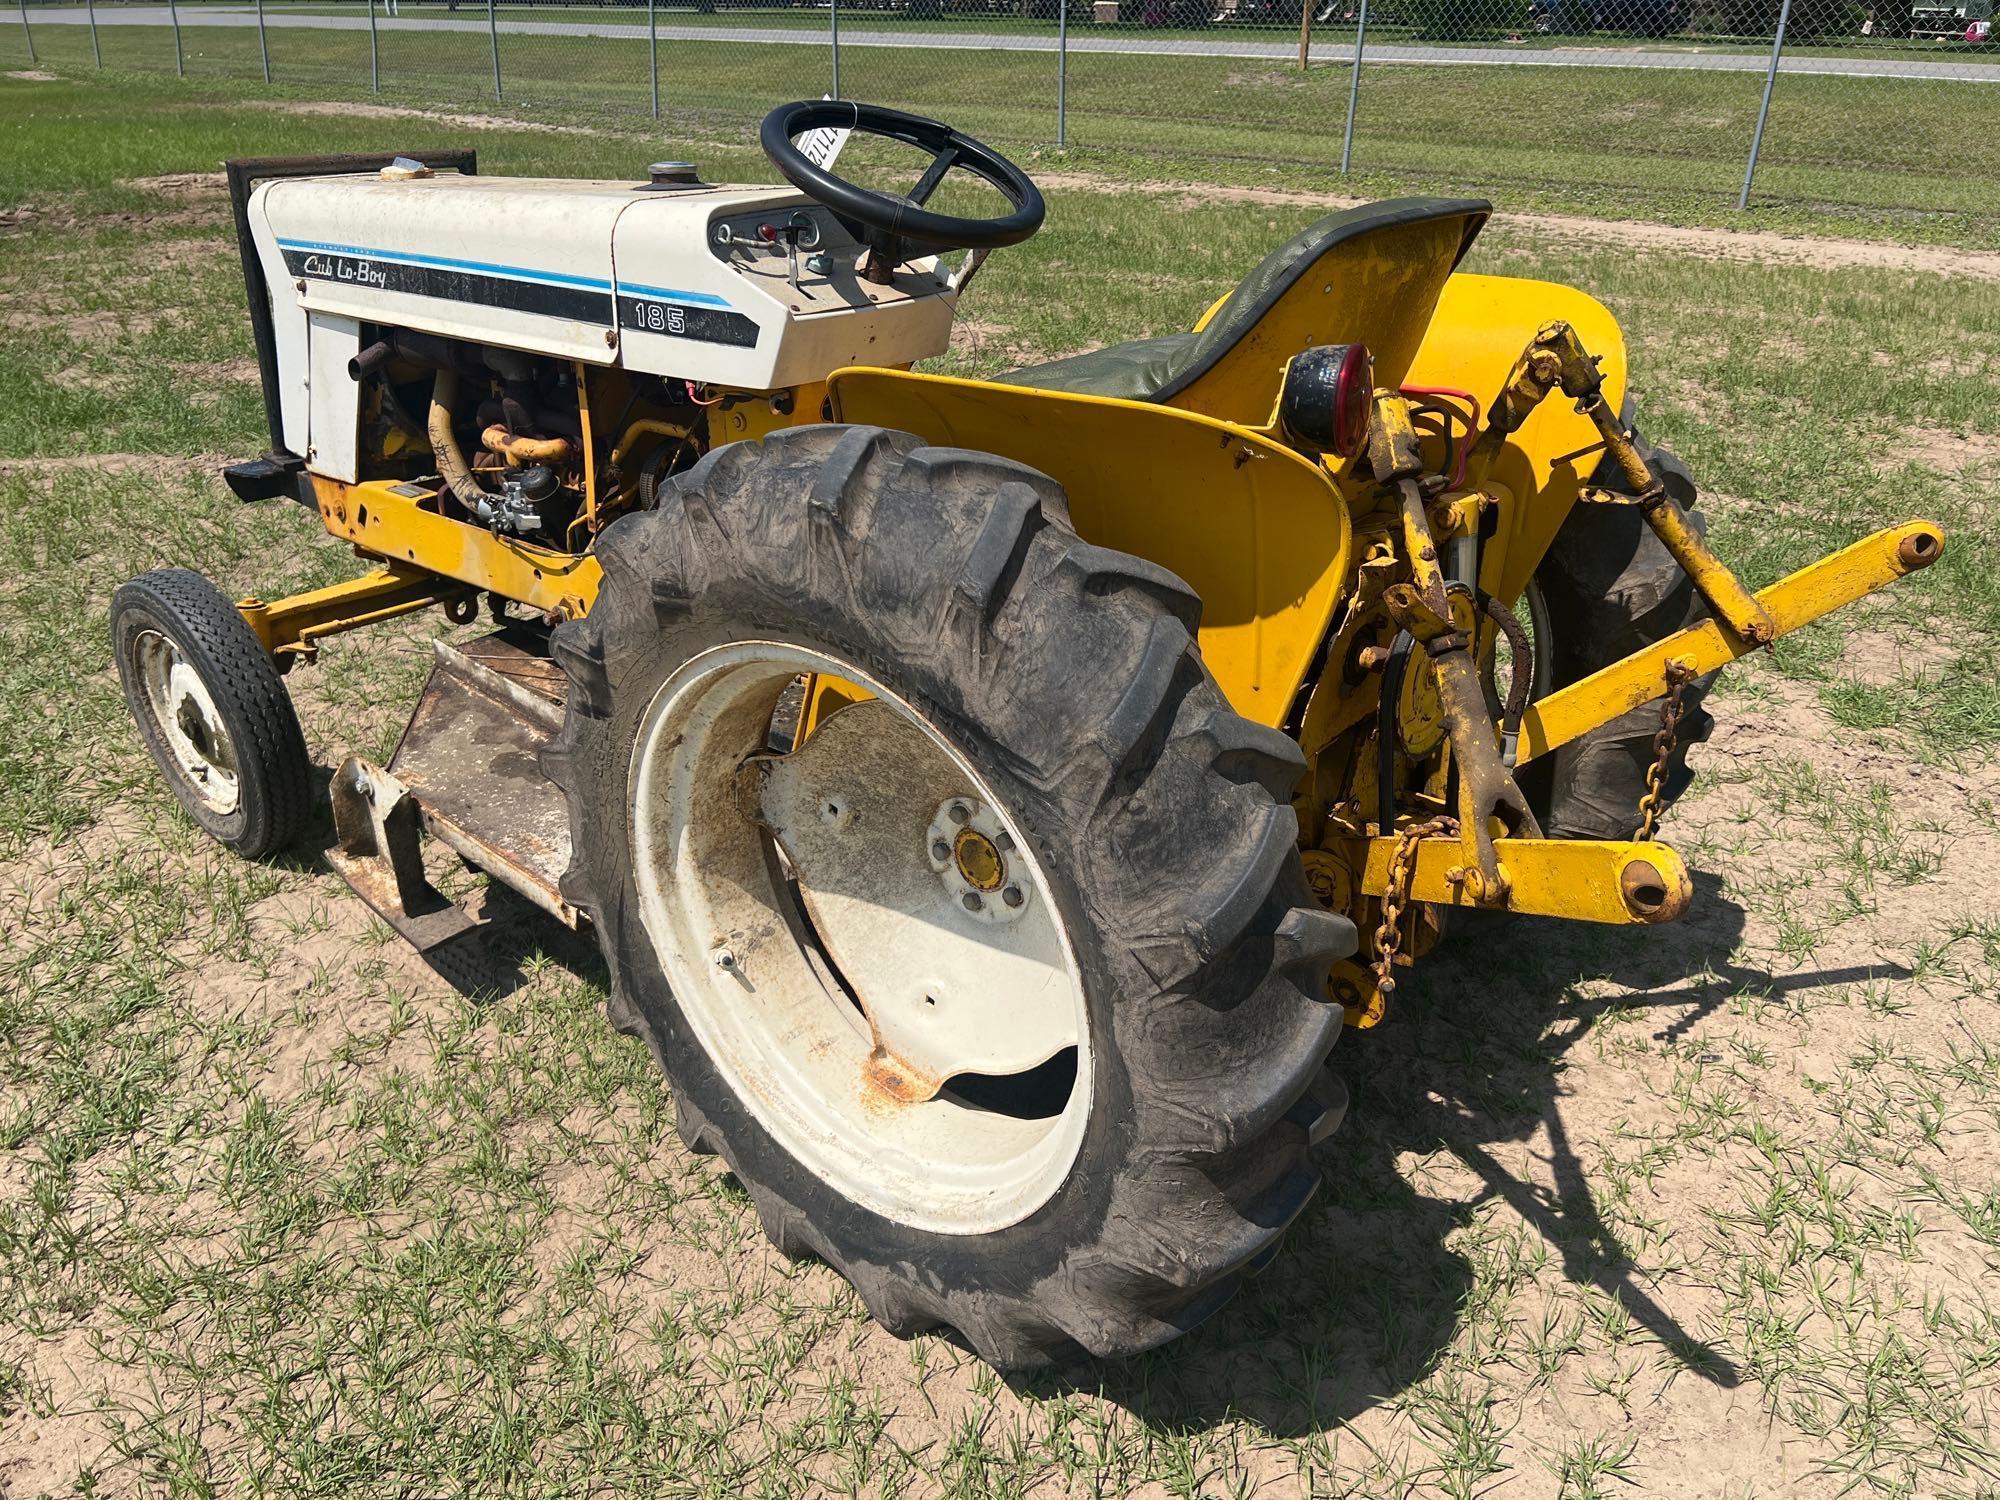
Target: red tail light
(1353, 398)
(1327, 398)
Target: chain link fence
(1879, 113)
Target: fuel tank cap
(673, 174)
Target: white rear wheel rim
(188, 721)
(863, 942)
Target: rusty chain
(1396, 894)
(1679, 675)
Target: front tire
(212, 710)
(1024, 678)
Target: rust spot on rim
(887, 1080)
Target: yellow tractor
(992, 797)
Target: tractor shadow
(1368, 1291)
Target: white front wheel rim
(188, 721)
(862, 941)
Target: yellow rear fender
(1481, 325)
(1258, 531)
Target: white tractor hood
(607, 272)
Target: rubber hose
(525, 449)
(444, 447)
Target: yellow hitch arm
(1557, 360)
(1792, 603)
(292, 628)
(1586, 880)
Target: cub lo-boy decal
(699, 316)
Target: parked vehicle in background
(1952, 20)
(1261, 12)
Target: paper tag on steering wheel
(822, 147)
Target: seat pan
(1375, 263)
(1135, 371)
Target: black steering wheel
(893, 226)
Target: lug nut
(940, 851)
(723, 958)
(971, 901)
(1012, 895)
(959, 813)
(1004, 842)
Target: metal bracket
(1618, 882)
(378, 850)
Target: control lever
(797, 230)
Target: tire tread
(1234, 948)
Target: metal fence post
(374, 53)
(1354, 86)
(833, 20)
(653, 52)
(1062, 75)
(1764, 109)
(29, 31)
(263, 42)
(493, 36)
(180, 57)
(96, 50)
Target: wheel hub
(970, 852)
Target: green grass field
(1699, 1210)
(1888, 159)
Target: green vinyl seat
(1371, 273)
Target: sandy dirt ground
(1706, 1210)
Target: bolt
(363, 785)
(971, 901)
(723, 958)
(959, 813)
(1013, 896)
(940, 851)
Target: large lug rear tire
(1118, 1124)
(1609, 588)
